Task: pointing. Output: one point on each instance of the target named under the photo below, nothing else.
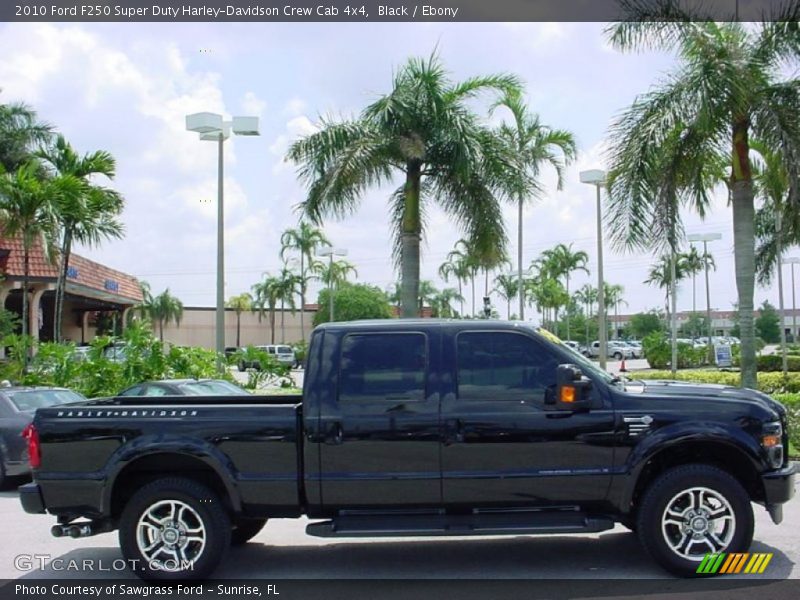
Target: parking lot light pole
(330, 252)
(597, 178)
(212, 128)
(705, 238)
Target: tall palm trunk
(272, 323)
(58, 305)
(238, 329)
(409, 242)
(283, 322)
(519, 258)
(302, 296)
(461, 295)
(25, 317)
(568, 307)
(744, 248)
(161, 329)
(473, 294)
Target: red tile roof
(83, 272)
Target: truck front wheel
(245, 529)
(174, 529)
(693, 510)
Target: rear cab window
(383, 366)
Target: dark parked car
(17, 405)
(185, 387)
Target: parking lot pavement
(283, 551)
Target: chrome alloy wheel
(170, 535)
(698, 521)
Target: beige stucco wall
(197, 328)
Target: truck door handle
(334, 435)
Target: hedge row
(770, 383)
(774, 362)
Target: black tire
(245, 529)
(617, 356)
(3, 479)
(208, 512)
(665, 489)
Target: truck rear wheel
(174, 529)
(694, 510)
(245, 529)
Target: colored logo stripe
(723, 563)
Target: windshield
(586, 365)
(284, 350)
(212, 388)
(33, 399)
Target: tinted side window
(387, 367)
(503, 366)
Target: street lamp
(705, 238)
(597, 178)
(330, 252)
(793, 261)
(212, 128)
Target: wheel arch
(725, 454)
(137, 470)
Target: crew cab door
(379, 432)
(503, 446)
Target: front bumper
(779, 485)
(31, 498)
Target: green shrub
(144, 359)
(658, 352)
(770, 383)
(774, 362)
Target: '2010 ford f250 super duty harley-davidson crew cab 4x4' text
(417, 427)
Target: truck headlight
(772, 442)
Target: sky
(126, 88)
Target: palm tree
(442, 303)
(427, 292)
(334, 273)
(613, 298)
(164, 309)
(144, 308)
(531, 146)
(587, 296)
(87, 217)
(728, 86)
(660, 275)
(26, 210)
(266, 294)
(455, 266)
(563, 262)
(303, 239)
(20, 135)
(462, 267)
(507, 286)
(425, 131)
(241, 303)
(286, 289)
(693, 263)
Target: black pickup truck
(417, 427)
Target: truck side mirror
(572, 389)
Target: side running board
(399, 525)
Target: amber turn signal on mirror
(567, 393)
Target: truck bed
(253, 445)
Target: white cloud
(252, 105)
(295, 107)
